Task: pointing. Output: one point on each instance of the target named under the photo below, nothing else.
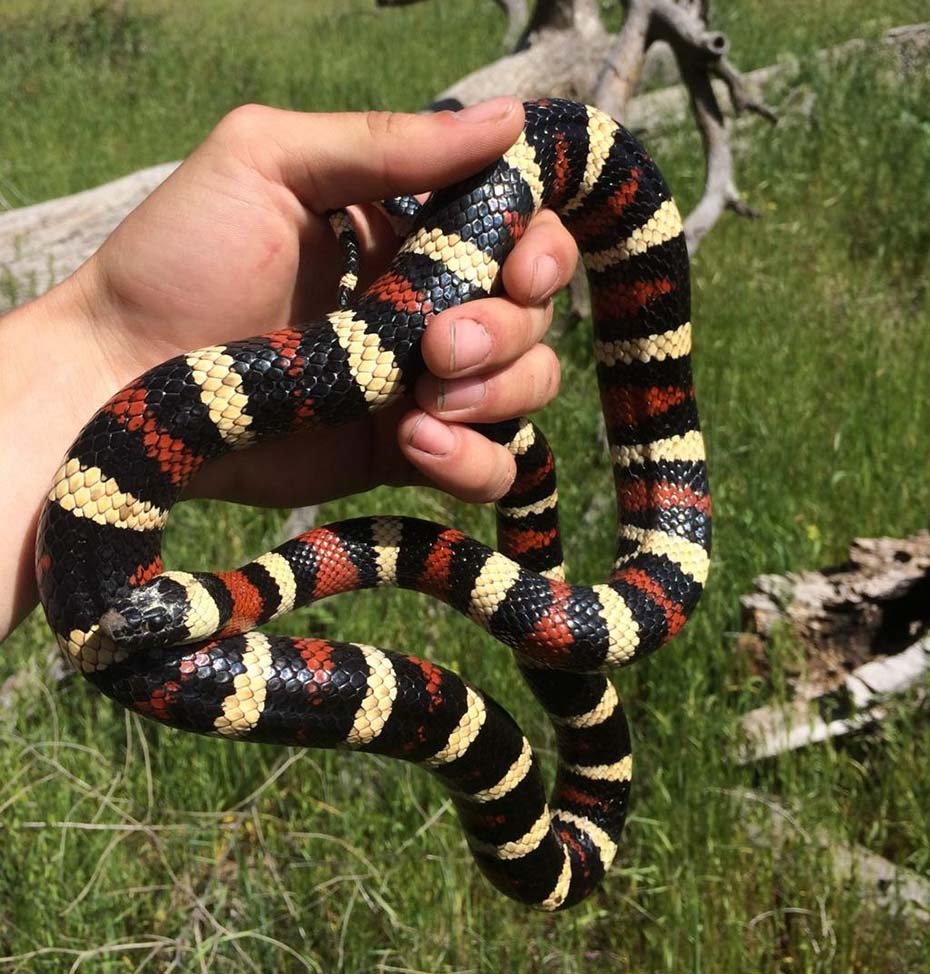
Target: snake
(184, 648)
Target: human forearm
(50, 384)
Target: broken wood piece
(870, 607)
(862, 632)
(775, 730)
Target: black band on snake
(180, 647)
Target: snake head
(158, 614)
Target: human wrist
(50, 385)
(53, 343)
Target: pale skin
(234, 244)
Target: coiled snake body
(179, 647)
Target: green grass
(812, 344)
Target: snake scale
(181, 648)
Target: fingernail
(545, 277)
(460, 393)
(429, 435)
(487, 111)
(471, 344)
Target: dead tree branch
(547, 62)
(517, 12)
(558, 15)
(701, 55)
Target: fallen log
(42, 244)
(860, 702)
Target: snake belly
(180, 647)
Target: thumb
(333, 160)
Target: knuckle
(386, 130)
(383, 124)
(243, 121)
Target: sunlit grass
(155, 851)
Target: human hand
(236, 243)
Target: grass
(131, 848)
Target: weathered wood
(858, 703)
(874, 604)
(41, 244)
(861, 630)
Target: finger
(456, 459)
(542, 262)
(332, 160)
(495, 331)
(485, 335)
(515, 390)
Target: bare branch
(517, 13)
(41, 244)
(720, 191)
(701, 55)
(561, 15)
(740, 93)
(622, 66)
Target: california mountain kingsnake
(179, 647)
